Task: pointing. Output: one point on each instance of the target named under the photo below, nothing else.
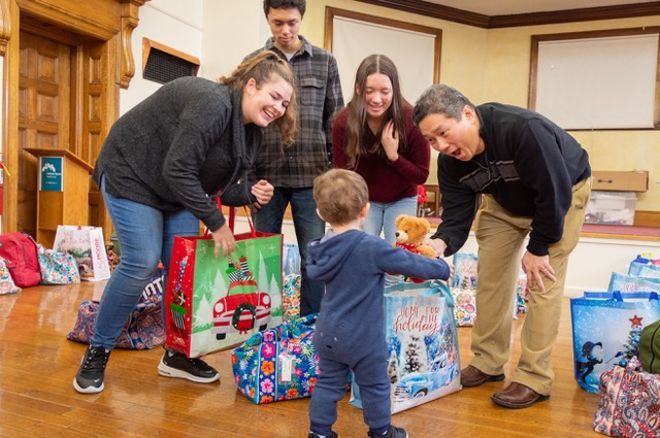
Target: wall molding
(515, 20)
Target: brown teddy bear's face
(410, 229)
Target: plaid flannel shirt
(319, 97)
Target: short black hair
(285, 4)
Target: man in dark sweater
(350, 332)
(535, 180)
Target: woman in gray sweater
(160, 166)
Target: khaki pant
(500, 236)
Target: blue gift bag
(606, 331)
(633, 283)
(290, 259)
(423, 360)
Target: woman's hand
(390, 141)
(263, 191)
(224, 240)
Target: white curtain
(412, 53)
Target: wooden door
(44, 114)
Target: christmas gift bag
(7, 285)
(649, 271)
(423, 362)
(606, 331)
(641, 261)
(631, 283)
(57, 267)
(629, 403)
(290, 259)
(144, 329)
(213, 302)
(520, 307)
(86, 245)
(278, 364)
(463, 286)
(291, 296)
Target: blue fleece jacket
(353, 265)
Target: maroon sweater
(387, 181)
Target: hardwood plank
(38, 365)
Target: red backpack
(20, 254)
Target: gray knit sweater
(182, 143)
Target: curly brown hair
(261, 68)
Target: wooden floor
(37, 365)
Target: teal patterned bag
(278, 364)
(57, 267)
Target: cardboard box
(621, 181)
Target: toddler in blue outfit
(350, 330)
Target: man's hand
(438, 245)
(263, 191)
(224, 240)
(535, 266)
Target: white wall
(173, 23)
(232, 30)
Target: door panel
(44, 99)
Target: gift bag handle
(619, 296)
(232, 218)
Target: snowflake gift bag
(215, 302)
(423, 360)
(606, 331)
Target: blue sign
(51, 179)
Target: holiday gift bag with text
(213, 302)
(423, 361)
(86, 245)
(278, 364)
(606, 331)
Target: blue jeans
(308, 227)
(146, 235)
(382, 216)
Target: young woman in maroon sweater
(376, 137)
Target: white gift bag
(86, 245)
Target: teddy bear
(411, 232)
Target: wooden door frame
(109, 21)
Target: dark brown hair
(356, 120)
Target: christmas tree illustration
(415, 356)
(393, 369)
(631, 347)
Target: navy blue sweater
(353, 265)
(529, 166)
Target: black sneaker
(333, 434)
(392, 432)
(89, 379)
(175, 364)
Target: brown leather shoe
(471, 376)
(516, 396)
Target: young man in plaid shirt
(292, 169)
